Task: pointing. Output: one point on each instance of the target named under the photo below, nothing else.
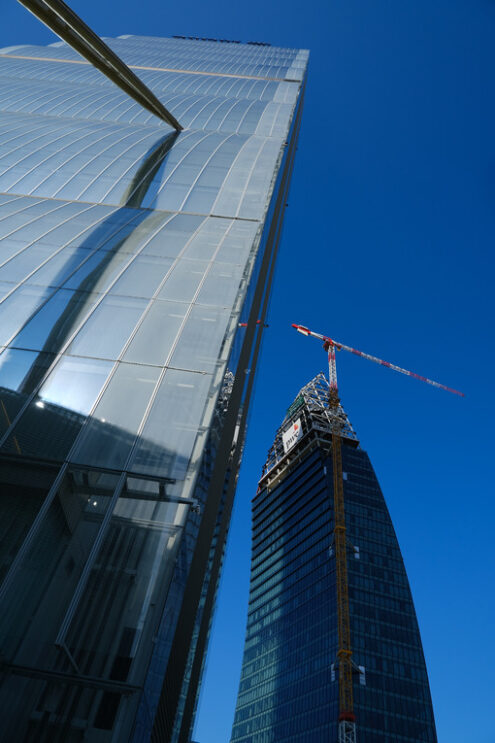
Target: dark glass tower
(289, 684)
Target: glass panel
(58, 268)
(126, 586)
(107, 330)
(48, 574)
(143, 277)
(110, 234)
(200, 341)
(98, 272)
(205, 242)
(165, 445)
(72, 701)
(23, 488)
(154, 339)
(238, 242)
(221, 285)
(171, 240)
(5, 288)
(20, 372)
(110, 433)
(183, 281)
(201, 199)
(50, 424)
(10, 246)
(127, 238)
(16, 310)
(53, 325)
(74, 384)
(26, 262)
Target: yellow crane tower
(347, 719)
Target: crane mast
(347, 719)
(347, 724)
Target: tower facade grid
(289, 683)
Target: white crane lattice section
(311, 407)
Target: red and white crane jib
(332, 343)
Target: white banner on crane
(292, 435)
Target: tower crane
(347, 719)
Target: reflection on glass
(204, 243)
(168, 437)
(26, 261)
(17, 308)
(198, 347)
(98, 272)
(108, 328)
(108, 436)
(156, 334)
(120, 368)
(53, 419)
(23, 489)
(135, 561)
(5, 288)
(238, 243)
(143, 277)
(183, 281)
(50, 569)
(174, 235)
(74, 384)
(58, 268)
(50, 328)
(221, 285)
(20, 372)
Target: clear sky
(388, 247)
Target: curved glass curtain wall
(126, 256)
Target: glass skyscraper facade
(289, 684)
(134, 265)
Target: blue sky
(387, 247)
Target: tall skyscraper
(289, 684)
(135, 263)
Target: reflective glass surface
(129, 256)
(289, 683)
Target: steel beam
(65, 23)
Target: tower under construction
(296, 645)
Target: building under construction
(292, 687)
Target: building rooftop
(308, 419)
